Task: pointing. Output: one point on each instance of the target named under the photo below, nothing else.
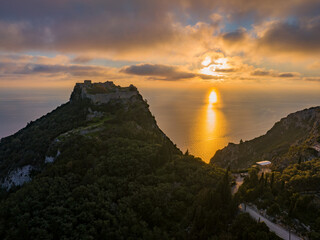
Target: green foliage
(126, 180)
(287, 195)
(245, 228)
(117, 177)
(115, 189)
(29, 145)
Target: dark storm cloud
(163, 72)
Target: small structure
(264, 166)
(87, 82)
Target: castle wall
(106, 97)
(102, 98)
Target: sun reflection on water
(211, 120)
(210, 127)
(211, 115)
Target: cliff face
(292, 138)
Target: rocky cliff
(292, 138)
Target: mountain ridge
(294, 136)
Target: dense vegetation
(29, 145)
(117, 176)
(288, 195)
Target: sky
(159, 42)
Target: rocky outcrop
(17, 177)
(288, 140)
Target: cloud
(175, 32)
(130, 29)
(273, 73)
(278, 38)
(73, 9)
(50, 70)
(163, 72)
(314, 66)
(299, 37)
(238, 35)
(312, 79)
(288, 75)
(259, 72)
(226, 70)
(24, 58)
(120, 27)
(82, 59)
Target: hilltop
(295, 137)
(91, 106)
(99, 167)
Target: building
(264, 166)
(87, 82)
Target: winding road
(277, 229)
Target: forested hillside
(291, 196)
(106, 171)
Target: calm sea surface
(185, 115)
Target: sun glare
(212, 67)
(213, 97)
(206, 61)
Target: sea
(188, 116)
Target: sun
(213, 97)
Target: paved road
(277, 229)
(239, 181)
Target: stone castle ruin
(101, 93)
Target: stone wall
(106, 97)
(82, 91)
